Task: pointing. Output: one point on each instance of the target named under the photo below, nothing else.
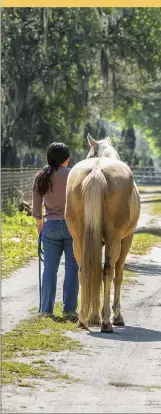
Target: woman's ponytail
(43, 182)
(57, 154)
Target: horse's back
(119, 211)
(117, 174)
(111, 167)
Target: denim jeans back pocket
(48, 229)
(51, 230)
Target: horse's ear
(91, 141)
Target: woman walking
(50, 188)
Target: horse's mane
(108, 139)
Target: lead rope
(41, 259)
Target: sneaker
(72, 317)
(46, 315)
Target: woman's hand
(39, 225)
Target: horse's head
(102, 148)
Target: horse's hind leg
(125, 246)
(74, 227)
(111, 256)
(76, 231)
(106, 313)
(94, 319)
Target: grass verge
(14, 372)
(24, 374)
(32, 338)
(129, 277)
(143, 242)
(19, 241)
(149, 189)
(155, 209)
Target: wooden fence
(16, 183)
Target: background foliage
(69, 71)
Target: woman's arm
(39, 225)
(37, 200)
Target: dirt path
(20, 292)
(116, 373)
(119, 372)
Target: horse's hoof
(118, 321)
(94, 320)
(81, 325)
(106, 327)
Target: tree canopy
(65, 68)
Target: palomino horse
(102, 208)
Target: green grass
(50, 390)
(35, 337)
(142, 243)
(155, 208)
(42, 342)
(13, 372)
(33, 309)
(149, 188)
(129, 277)
(19, 241)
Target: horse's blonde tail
(94, 188)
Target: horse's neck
(110, 152)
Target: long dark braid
(57, 153)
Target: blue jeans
(56, 240)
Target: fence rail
(16, 183)
(147, 175)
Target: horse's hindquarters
(134, 210)
(102, 203)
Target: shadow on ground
(144, 269)
(129, 333)
(149, 192)
(151, 201)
